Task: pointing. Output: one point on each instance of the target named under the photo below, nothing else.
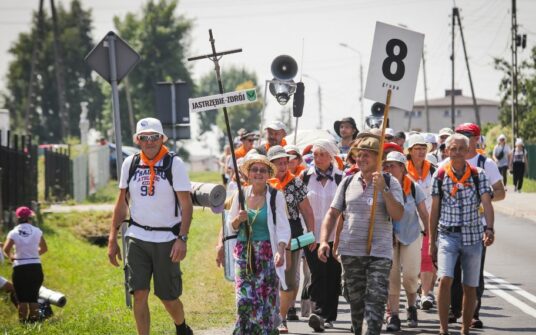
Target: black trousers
(456, 293)
(325, 286)
(519, 173)
(504, 173)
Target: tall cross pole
(215, 57)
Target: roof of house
(460, 101)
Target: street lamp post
(319, 100)
(344, 45)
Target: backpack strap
(273, 194)
(476, 180)
(433, 168)
(306, 177)
(481, 162)
(440, 176)
(338, 178)
(413, 191)
(345, 182)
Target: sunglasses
(149, 138)
(258, 170)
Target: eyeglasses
(149, 138)
(388, 166)
(258, 170)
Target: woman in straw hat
(407, 242)
(263, 235)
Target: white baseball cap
(389, 132)
(276, 125)
(395, 156)
(430, 138)
(149, 125)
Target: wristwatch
(184, 238)
(386, 189)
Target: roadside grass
(95, 291)
(107, 194)
(205, 177)
(529, 185)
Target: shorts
(27, 280)
(291, 276)
(151, 259)
(449, 248)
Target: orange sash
(458, 183)
(413, 171)
(267, 145)
(280, 184)
(299, 170)
(240, 152)
(151, 163)
(406, 185)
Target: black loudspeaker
(299, 98)
(377, 109)
(163, 102)
(284, 67)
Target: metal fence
(58, 175)
(18, 172)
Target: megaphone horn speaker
(284, 67)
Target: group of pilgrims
(312, 185)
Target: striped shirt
(354, 235)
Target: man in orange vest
(247, 138)
(275, 133)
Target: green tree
(526, 96)
(246, 116)
(161, 39)
(75, 36)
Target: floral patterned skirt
(256, 292)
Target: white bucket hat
(417, 139)
(149, 125)
(395, 156)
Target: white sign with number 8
(394, 64)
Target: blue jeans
(450, 247)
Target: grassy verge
(94, 289)
(206, 177)
(529, 185)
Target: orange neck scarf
(151, 163)
(282, 143)
(406, 185)
(280, 184)
(412, 170)
(452, 176)
(299, 170)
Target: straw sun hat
(257, 158)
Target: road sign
(394, 64)
(126, 58)
(223, 100)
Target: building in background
(439, 109)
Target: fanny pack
(175, 229)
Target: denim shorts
(450, 247)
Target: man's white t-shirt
(157, 210)
(26, 238)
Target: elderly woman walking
(407, 242)
(263, 234)
(322, 180)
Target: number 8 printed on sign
(396, 59)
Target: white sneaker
(427, 302)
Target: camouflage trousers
(367, 284)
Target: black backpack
(166, 167)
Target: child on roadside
(27, 275)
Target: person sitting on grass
(28, 276)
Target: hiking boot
(189, 331)
(453, 318)
(283, 329)
(394, 324)
(477, 323)
(412, 317)
(427, 302)
(316, 322)
(292, 315)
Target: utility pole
(60, 75)
(475, 106)
(426, 109)
(452, 102)
(35, 49)
(514, 74)
(319, 107)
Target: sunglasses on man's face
(149, 138)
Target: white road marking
(497, 285)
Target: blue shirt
(259, 223)
(408, 228)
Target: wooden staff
(378, 169)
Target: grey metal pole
(296, 130)
(173, 115)
(110, 38)
(426, 108)
(361, 92)
(514, 73)
(452, 104)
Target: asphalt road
(509, 302)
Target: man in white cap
(275, 133)
(156, 184)
(439, 153)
